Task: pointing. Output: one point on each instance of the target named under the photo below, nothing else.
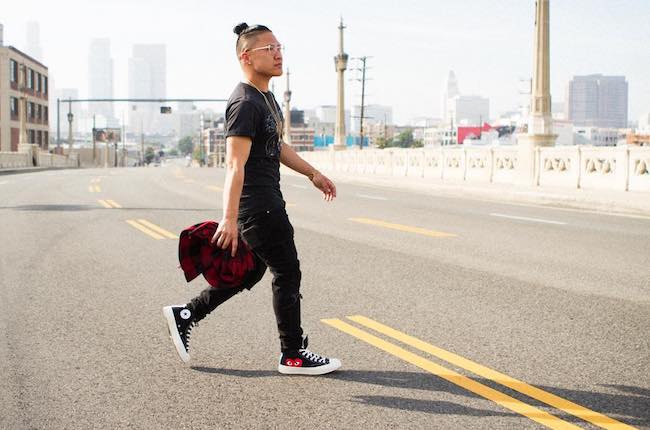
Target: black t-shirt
(248, 115)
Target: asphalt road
(447, 313)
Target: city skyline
(413, 48)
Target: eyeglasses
(268, 48)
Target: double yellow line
(475, 387)
(109, 204)
(151, 229)
(401, 227)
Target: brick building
(23, 90)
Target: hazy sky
(414, 44)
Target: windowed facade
(13, 107)
(13, 71)
(24, 96)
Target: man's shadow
(632, 405)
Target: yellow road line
(157, 229)
(144, 229)
(400, 227)
(105, 204)
(484, 391)
(114, 204)
(524, 388)
(213, 188)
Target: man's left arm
(292, 160)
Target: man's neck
(261, 82)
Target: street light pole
(70, 119)
(94, 145)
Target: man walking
(253, 206)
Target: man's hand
(227, 234)
(324, 184)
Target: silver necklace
(279, 123)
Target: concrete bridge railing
(35, 158)
(621, 168)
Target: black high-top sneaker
(180, 322)
(305, 362)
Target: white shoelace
(313, 356)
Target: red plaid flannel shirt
(198, 256)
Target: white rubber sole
(173, 334)
(334, 364)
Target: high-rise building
(597, 101)
(372, 115)
(100, 78)
(33, 47)
(148, 80)
(451, 91)
(469, 110)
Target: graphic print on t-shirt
(272, 142)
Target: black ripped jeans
(270, 236)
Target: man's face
(264, 61)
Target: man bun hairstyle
(246, 35)
(239, 28)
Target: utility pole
(363, 99)
(363, 79)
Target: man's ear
(245, 58)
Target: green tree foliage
(185, 145)
(198, 154)
(382, 142)
(149, 155)
(404, 139)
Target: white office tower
(100, 79)
(33, 47)
(469, 110)
(598, 101)
(148, 80)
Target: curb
(18, 170)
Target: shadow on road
(632, 407)
(78, 208)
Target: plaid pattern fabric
(198, 256)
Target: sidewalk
(605, 201)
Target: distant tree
(404, 139)
(418, 143)
(382, 142)
(185, 145)
(149, 155)
(173, 152)
(198, 154)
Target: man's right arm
(237, 151)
